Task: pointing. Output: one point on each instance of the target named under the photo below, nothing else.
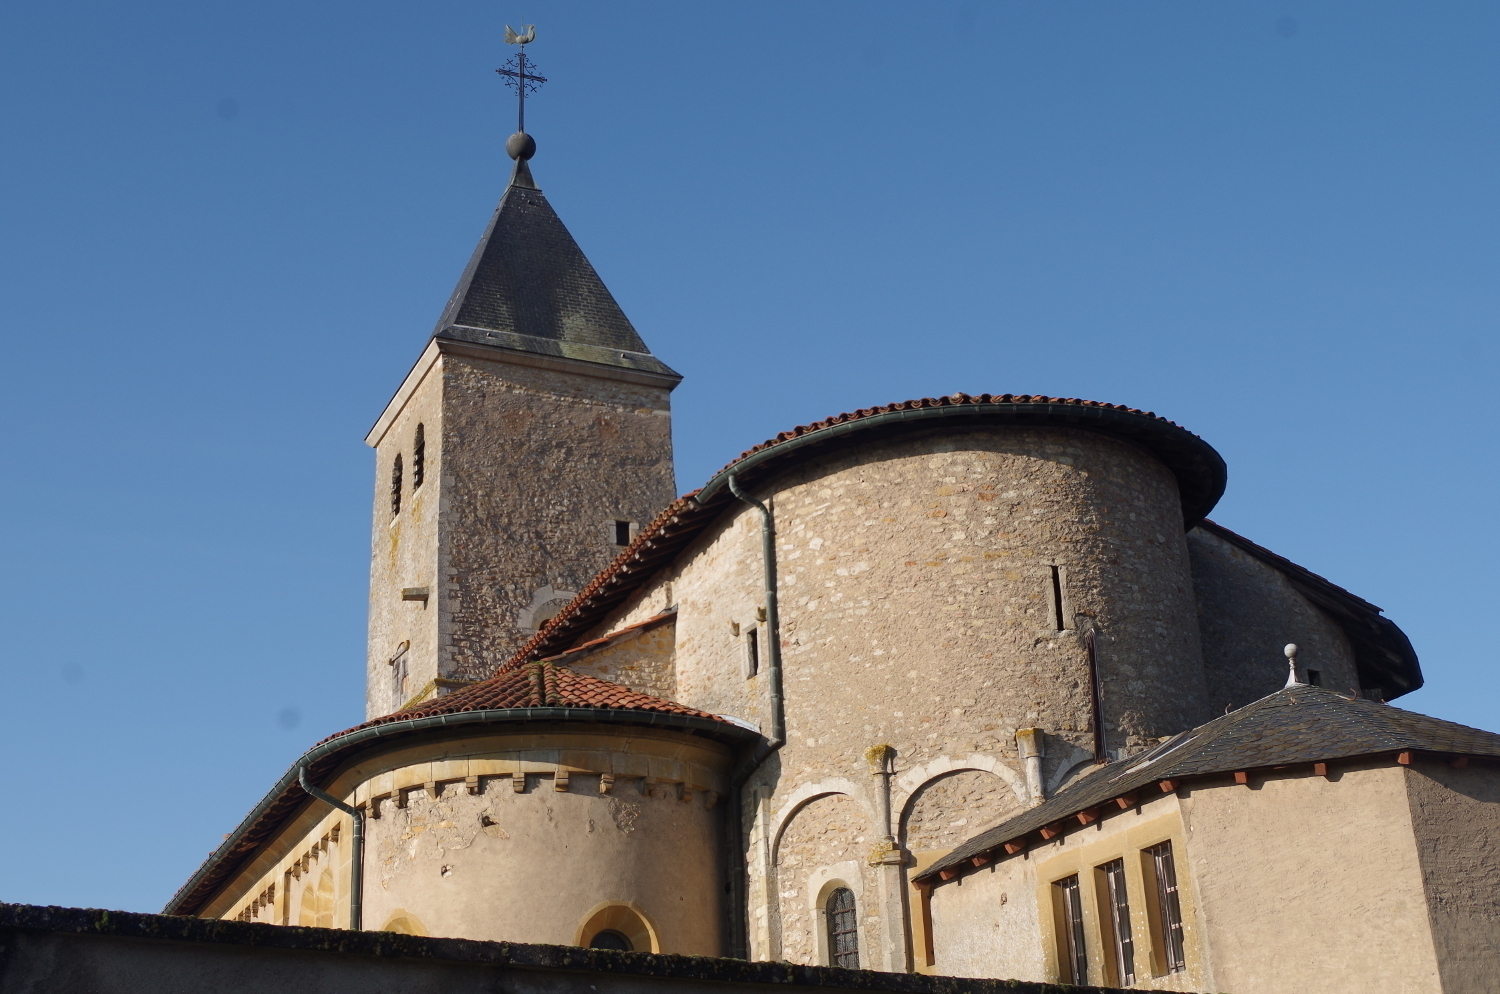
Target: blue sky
(228, 227)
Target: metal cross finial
(516, 74)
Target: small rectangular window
(752, 651)
(1168, 907)
(1072, 956)
(1315, 677)
(1116, 906)
(622, 533)
(1059, 616)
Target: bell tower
(522, 451)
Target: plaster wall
(404, 553)
(603, 816)
(986, 924)
(1307, 884)
(999, 921)
(1247, 613)
(1456, 816)
(529, 467)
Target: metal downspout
(356, 846)
(740, 945)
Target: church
(966, 685)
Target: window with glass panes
(1117, 920)
(843, 929)
(1073, 962)
(1169, 908)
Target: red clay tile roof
(952, 400)
(538, 685)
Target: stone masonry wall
(955, 807)
(539, 464)
(118, 952)
(1247, 613)
(824, 846)
(646, 663)
(917, 604)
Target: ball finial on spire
(520, 146)
(1291, 659)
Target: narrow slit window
(1117, 920)
(843, 929)
(752, 651)
(396, 486)
(419, 457)
(622, 533)
(1072, 955)
(1058, 621)
(1169, 908)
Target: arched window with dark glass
(419, 457)
(843, 929)
(610, 939)
(396, 486)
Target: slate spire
(530, 288)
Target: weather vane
(516, 74)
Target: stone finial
(1291, 661)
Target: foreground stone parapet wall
(57, 950)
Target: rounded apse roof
(1200, 471)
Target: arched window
(610, 939)
(843, 929)
(418, 457)
(396, 486)
(617, 926)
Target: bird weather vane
(515, 72)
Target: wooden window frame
(1072, 939)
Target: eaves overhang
(1200, 470)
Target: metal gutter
(739, 941)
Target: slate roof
(529, 287)
(1383, 655)
(1295, 726)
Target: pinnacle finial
(1291, 651)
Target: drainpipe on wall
(736, 841)
(356, 847)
